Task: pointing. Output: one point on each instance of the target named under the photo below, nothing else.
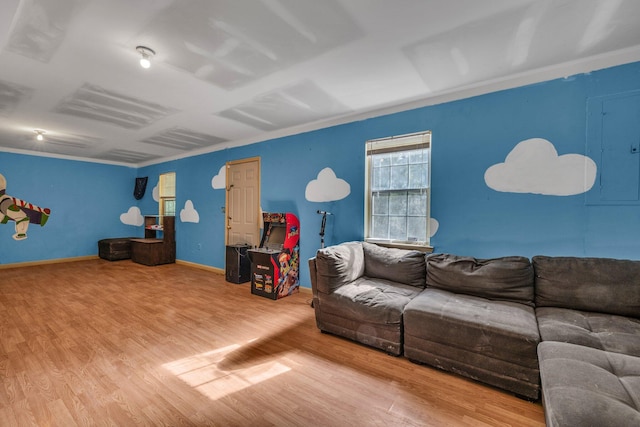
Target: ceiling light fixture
(39, 134)
(147, 54)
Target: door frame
(228, 188)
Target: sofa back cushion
(501, 279)
(589, 284)
(398, 265)
(339, 265)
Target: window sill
(401, 245)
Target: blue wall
(86, 200)
(469, 136)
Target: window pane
(417, 203)
(399, 177)
(380, 204)
(169, 207)
(380, 227)
(398, 228)
(381, 160)
(417, 156)
(417, 229)
(418, 175)
(380, 179)
(398, 203)
(400, 158)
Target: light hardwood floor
(121, 344)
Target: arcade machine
(275, 264)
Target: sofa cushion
(369, 300)
(398, 265)
(589, 284)
(583, 386)
(603, 331)
(501, 279)
(338, 265)
(497, 329)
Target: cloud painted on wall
(327, 187)
(219, 181)
(156, 192)
(189, 213)
(433, 226)
(534, 166)
(132, 217)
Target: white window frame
(388, 145)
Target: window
(398, 189)
(167, 194)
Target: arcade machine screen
(275, 238)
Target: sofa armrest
(338, 265)
(313, 272)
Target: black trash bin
(238, 266)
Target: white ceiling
(233, 72)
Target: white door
(243, 202)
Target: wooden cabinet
(151, 227)
(159, 244)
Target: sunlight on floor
(202, 372)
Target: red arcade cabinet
(275, 264)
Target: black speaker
(238, 265)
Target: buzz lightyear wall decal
(22, 213)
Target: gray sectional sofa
(564, 325)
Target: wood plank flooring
(101, 343)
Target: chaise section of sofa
(476, 318)
(360, 291)
(588, 312)
(593, 302)
(583, 386)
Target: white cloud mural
(433, 226)
(156, 192)
(327, 187)
(132, 217)
(189, 213)
(219, 181)
(533, 166)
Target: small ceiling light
(147, 54)
(39, 134)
